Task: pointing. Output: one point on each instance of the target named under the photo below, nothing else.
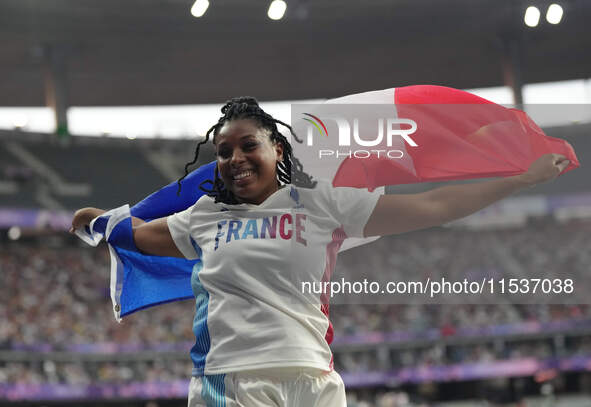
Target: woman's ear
(279, 151)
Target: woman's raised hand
(545, 168)
(82, 217)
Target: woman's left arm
(404, 213)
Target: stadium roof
(138, 52)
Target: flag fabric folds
(139, 280)
(461, 136)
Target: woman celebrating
(263, 229)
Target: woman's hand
(544, 169)
(82, 217)
(150, 237)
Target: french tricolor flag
(455, 136)
(458, 136)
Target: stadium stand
(59, 335)
(87, 171)
(59, 327)
(73, 174)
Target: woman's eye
(227, 153)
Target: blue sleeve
(165, 201)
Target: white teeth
(243, 175)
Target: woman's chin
(244, 193)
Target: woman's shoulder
(206, 203)
(322, 186)
(320, 192)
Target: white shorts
(280, 387)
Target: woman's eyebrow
(221, 143)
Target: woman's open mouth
(243, 177)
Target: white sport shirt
(251, 311)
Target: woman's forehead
(240, 128)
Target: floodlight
(199, 8)
(532, 16)
(554, 14)
(277, 9)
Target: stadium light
(554, 14)
(532, 16)
(199, 8)
(277, 9)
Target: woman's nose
(237, 155)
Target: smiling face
(247, 160)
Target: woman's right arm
(150, 237)
(154, 238)
(407, 212)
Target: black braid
(245, 107)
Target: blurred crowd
(544, 249)
(93, 372)
(59, 296)
(438, 354)
(161, 368)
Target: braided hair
(289, 170)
